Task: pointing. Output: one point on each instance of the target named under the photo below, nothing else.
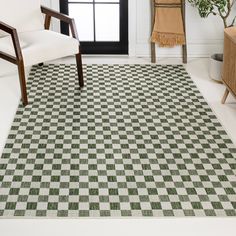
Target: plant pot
(216, 67)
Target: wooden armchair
(30, 42)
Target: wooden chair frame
(155, 5)
(18, 58)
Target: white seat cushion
(41, 46)
(24, 15)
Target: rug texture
(138, 140)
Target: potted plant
(222, 9)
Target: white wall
(204, 36)
(55, 5)
(46, 2)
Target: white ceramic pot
(215, 67)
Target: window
(102, 24)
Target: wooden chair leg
(21, 71)
(226, 94)
(80, 69)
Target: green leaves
(207, 7)
(222, 8)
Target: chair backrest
(24, 15)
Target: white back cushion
(24, 15)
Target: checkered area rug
(138, 140)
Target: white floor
(212, 91)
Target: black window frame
(120, 48)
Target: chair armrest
(6, 28)
(16, 43)
(56, 14)
(52, 13)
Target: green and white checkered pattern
(138, 140)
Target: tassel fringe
(167, 39)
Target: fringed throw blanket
(168, 28)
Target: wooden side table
(229, 67)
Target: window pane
(107, 22)
(83, 15)
(107, 0)
(80, 1)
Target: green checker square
(52, 206)
(210, 191)
(63, 198)
(132, 191)
(124, 198)
(56, 179)
(140, 185)
(42, 198)
(3, 198)
(73, 206)
(197, 205)
(34, 191)
(149, 178)
(83, 213)
(14, 191)
(113, 191)
(62, 213)
(31, 206)
(84, 198)
(164, 198)
(91, 179)
(19, 213)
(103, 198)
(217, 205)
(64, 185)
(167, 178)
(230, 212)
(152, 191)
(176, 205)
(210, 212)
(191, 191)
(122, 185)
(147, 213)
(10, 206)
(223, 178)
(74, 192)
(6, 185)
(41, 213)
(17, 178)
(135, 206)
(156, 205)
(160, 185)
(112, 179)
(234, 204)
(93, 192)
(105, 213)
(168, 213)
(93, 206)
(171, 191)
(115, 206)
(126, 213)
(189, 213)
(144, 198)
(54, 191)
